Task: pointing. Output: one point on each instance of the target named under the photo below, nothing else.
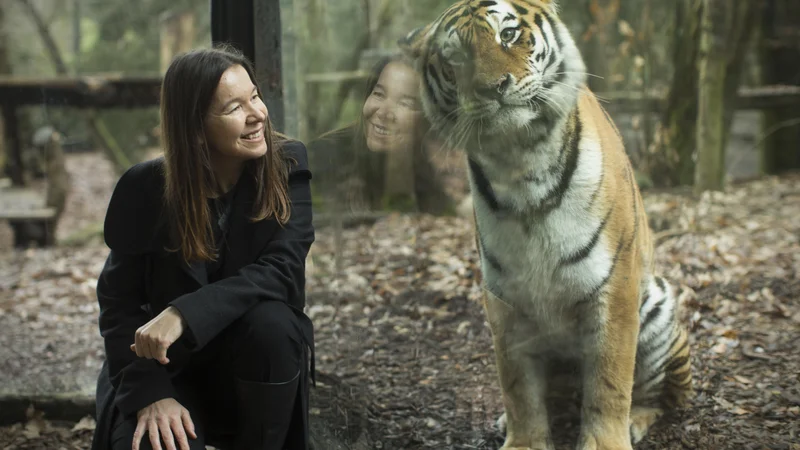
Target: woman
(202, 295)
(390, 131)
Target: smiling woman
(235, 125)
(202, 295)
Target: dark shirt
(220, 211)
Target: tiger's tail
(663, 376)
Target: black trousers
(264, 345)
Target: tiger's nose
(496, 90)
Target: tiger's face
(498, 63)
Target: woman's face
(236, 120)
(392, 114)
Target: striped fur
(566, 251)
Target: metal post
(268, 61)
(254, 27)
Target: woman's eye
(508, 35)
(236, 108)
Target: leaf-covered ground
(396, 310)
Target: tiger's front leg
(522, 378)
(609, 358)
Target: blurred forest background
(706, 94)
(644, 57)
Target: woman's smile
(256, 136)
(380, 130)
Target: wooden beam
(118, 91)
(336, 77)
(97, 91)
(758, 98)
(27, 214)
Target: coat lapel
(245, 238)
(197, 270)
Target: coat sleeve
(137, 382)
(278, 274)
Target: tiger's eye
(458, 58)
(508, 34)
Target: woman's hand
(155, 337)
(168, 418)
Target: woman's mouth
(380, 131)
(255, 136)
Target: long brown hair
(186, 94)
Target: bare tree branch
(47, 37)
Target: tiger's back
(566, 251)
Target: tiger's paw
(589, 441)
(501, 424)
(514, 444)
(535, 447)
(642, 419)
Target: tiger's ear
(551, 4)
(412, 44)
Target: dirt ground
(397, 316)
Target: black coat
(265, 262)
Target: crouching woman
(202, 295)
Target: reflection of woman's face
(392, 114)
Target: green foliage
(127, 36)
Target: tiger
(565, 248)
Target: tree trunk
(709, 173)
(10, 144)
(670, 157)
(176, 35)
(779, 58)
(726, 30)
(312, 61)
(604, 43)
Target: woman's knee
(269, 326)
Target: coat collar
(245, 238)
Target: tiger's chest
(529, 266)
(543, 265)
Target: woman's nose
(258, 113)
(386, 113)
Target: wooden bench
(28, 215)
